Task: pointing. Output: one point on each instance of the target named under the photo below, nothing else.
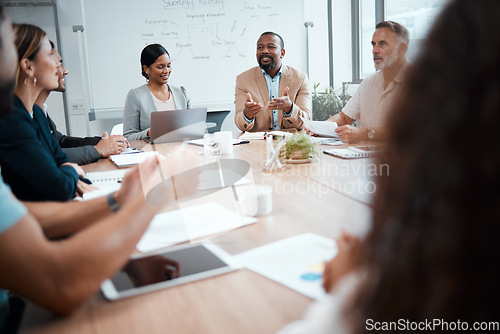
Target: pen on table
(84, 179)
(242, 142)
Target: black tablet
(178, 265)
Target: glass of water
(211, 145)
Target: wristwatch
(371, 134)
(113, 204)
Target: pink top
(164, 105)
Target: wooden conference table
(322, 197)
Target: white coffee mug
(226, 142)
(255, 199)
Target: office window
(417, 15)
(367, 22)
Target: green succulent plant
(302, 144)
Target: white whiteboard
(210, 42)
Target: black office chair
(215, 120)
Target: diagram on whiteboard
(205, 29)
(209, 41)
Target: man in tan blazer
(271, 96)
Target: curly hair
(433, 249)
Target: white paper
(126, 160)
(252, 135)
(174, 227)
(321, 128)
(130, 150)
(199, 142)
(329, 141)
(107, 177)
(106, 182)
(296, 262)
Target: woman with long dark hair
(432, 252)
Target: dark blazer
(79, 150)
(31, 158)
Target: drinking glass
(211, 145)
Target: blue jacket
(31, 158)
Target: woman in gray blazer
(155, 95)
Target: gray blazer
(138, 107)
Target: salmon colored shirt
(371, 103)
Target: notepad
(107, 177)
(128, 160)
(199, 142)
(354, 152)
(261, 135)
(130, 150)
(252, 135)
(106, 182)
(330, 141)
(192, 223)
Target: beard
(7, 97)
(388, 60)
(269, 66)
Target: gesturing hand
(251, 108)
(281, 103)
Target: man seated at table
(80, 150)
(271, 96)
(377, 93)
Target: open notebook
(106, 182)
(127, 160)
(355, 152)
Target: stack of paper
(195, 222)
(126, 160)
(130, 150)
(296, 262)
(252, 135)
(321, 128)
(261, 135)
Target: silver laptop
(177, 125)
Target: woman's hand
(343, 263)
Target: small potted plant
(301, 147)
(327, 103)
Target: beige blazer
(253, 82)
